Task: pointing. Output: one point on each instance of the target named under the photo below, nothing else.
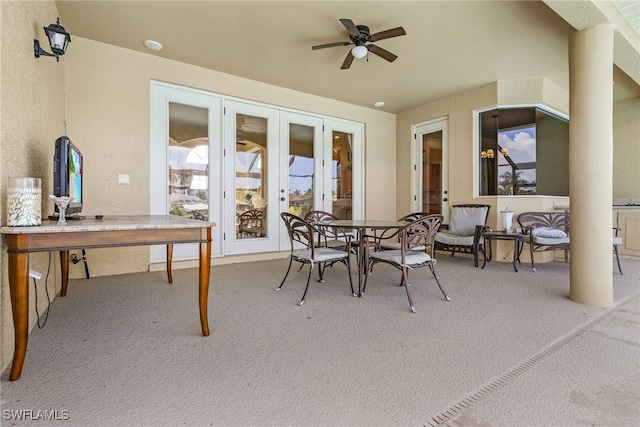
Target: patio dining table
(362, 244)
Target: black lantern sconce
(58, 40)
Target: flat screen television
(67, 175)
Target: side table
(502, 235)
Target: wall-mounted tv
(68, 174)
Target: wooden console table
(112, 231)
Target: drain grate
(443, 416)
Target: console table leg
(19, 289)
(205, 269)
(169, 261)
(64, 272)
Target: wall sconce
(58, 40)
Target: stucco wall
(32, 104)
(626, 148)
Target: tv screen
(68, 173)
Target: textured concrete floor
(509, 349)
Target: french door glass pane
(342, 174)
(251, 176)
(301, 167)
(188, 160)
(431, 172)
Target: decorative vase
(507, 218)
(24, 202)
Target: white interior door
(430, 184)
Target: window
(523, 151)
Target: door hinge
(224, 236)
(224, 194)
(323, 197)
(415, 198)
(415, 167)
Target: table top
(363, 223)
(111, 223)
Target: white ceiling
(450, 46)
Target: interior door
(430, 182)
(251, 190)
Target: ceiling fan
(359, 35)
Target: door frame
(417, 132)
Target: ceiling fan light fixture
(359, 52)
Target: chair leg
(407, 286)
(433, 271)
(287, 273)
(615, 250)
(533, 267)
(306, 287)
(348, 264)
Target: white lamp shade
(359, 52)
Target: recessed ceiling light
(378, 104)
(152, 44)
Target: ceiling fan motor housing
(364, 35)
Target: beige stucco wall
(626, 148)
(32, 105)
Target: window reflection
(301, 168)
(188, 160)
(523, 151)
(342, 175)
(251, 176)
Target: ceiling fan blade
(382, 53)
(322, 46)
(351, 28)
(394, 32)
(347, 61)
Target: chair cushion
(412, 258)
(454, 239)
(617, 240)
(544, 240)
(396, 246)
(321, 254)
(548, 232)
(463, 220)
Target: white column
(591, 165)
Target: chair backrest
(318, 216)
(251, 219)
(464, 218)
(550, 220)
(421, 233)
(299, 230)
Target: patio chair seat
(412, 257)
(538, 240)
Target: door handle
(282, 199)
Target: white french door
(229, 161)
(185, 161)
(251, 184)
